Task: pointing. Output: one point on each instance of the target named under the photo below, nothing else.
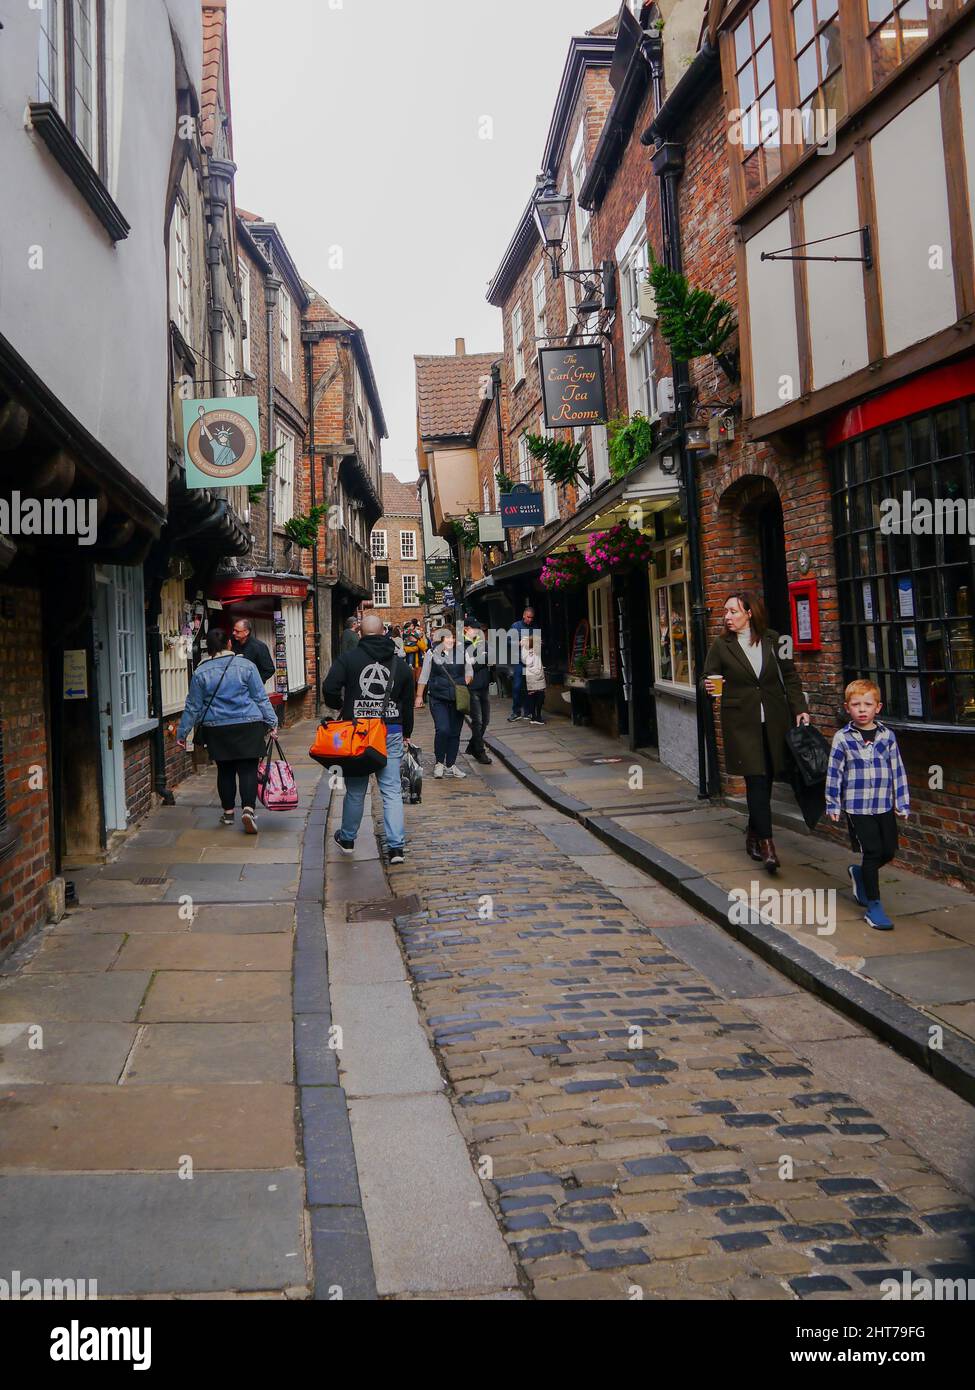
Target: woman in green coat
(760, 697)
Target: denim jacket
(241, 699)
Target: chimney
(460, 348)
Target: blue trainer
(876, 917)
(856, 879)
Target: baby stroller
(411, 772)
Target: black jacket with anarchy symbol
(357, 679)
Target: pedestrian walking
(253, 649)
(397, 637)
(415, 645)
(531, 651)
(350, 637)
(448, 673)
(230, 710)
(476, 645)
(760, 697)
(519, 702)
(372, 682)
(867, 780)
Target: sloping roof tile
(214, 29)
(448, 392)
(399, 499)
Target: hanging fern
(304, 529)
(560, 458)
(468, 532)
(504, 483)
(256, 491)
(694, 323)
(630, 444)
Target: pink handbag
(276, 787)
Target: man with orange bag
(372, 682)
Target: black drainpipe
(668, 164)
(313, 464)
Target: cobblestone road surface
(655, 1170)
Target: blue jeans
(449, 723)
(392, 793)
(518, 702)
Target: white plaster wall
(92, 323)
(911, 193)
(966, 82)
(837, 305)
(772, 320)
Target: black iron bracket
(787, 253)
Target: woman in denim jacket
(229, 702)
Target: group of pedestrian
(527, 671)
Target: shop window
(71, 70)
(518, 343)
(294, 643)
(407, 545)
(758, 145)
(130, 637)
(673, 660)
(906, 572)
(600, 620)
(173, 659)
(380, 595)
(264, 632)
(818, 58)
(378, 546)
(894, 32)
(410, 591)
(284, 476)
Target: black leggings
(758, 793)
(878, 841)
(243, 770)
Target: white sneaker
(456, 772)
(438, 770)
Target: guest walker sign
(574, 386)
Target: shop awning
(233, 588)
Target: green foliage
(504, 483)
(303, 530)
(268, 457)
(694, 323)
(467, 532)
(630, 442)
(560, 458)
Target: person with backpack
(230, 709)
(448, 673)
(372, 682)
(476, 645)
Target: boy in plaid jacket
(867, 780)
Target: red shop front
(275, 606)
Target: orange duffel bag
(357, 746)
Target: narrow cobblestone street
(650, 1133)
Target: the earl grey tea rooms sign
(573, 385)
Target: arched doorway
(771, 545)
(758, 544)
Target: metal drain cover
(156, 882)
(384, 910)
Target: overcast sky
(358, 127)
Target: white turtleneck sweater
(753, 651)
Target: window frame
(671, 579)
(182, 255)
(813, 44)
(244, 280)
(173, 658)
(64, 57)
(378, 589)
(285, 325)
(293, 613)
(540, 303)
(405, 536)
(284, 474)
(518, 342)
(128, 593)
(413, 582)
(641, 381)
(382, 553)
(599, 600)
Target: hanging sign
(522, 507)
(573, 385)
(222, 442)
(439, 574)
(490, 529)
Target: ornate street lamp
(551, 218)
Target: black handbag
(810, 753)
(199, 737)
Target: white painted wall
(966, 82)
(911, 192)
(837, 306)
(772, 316)
(93, 322)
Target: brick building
(397, 551)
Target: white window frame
(540, 304)
(53, 39)
(231, 383)
(130, 646)
(518, 342)
(378, 545)
(244, 276)
(640, 381)
(284, 475)
(583, 218)
(600, 618)
(182, 268)
(524, 460)
(173, 657)
(293, 611)
(672, 579)
(600, 453)
(407, 545)
(284, 331)
(380, 594)
(50, 54)
(411, 591)
(582, 486)
(550, 493)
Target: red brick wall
(25, 873)
(137, 761)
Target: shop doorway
(109, 708)
(775, 581)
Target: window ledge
(679, 692)
(47, 121)
(138, 728)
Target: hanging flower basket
(566, 570)
(619, 548)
